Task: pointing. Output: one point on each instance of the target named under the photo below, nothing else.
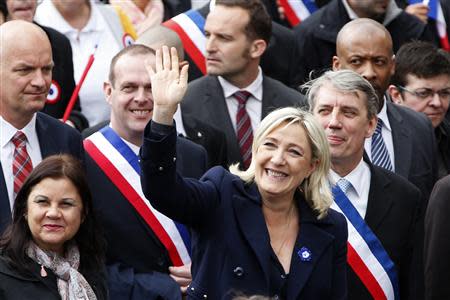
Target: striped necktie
(21, 160)
(380, 155)
(244, 130)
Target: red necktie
(21, 160)
(244, 127)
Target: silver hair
(346, 81)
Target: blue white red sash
(121, 166)
(366, 255)
(189, 27)
(297, 11)
(436, 13)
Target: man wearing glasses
(422, 83)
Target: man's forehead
(331, 96)
(227, 18)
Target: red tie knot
(19, 139)
(242, 97)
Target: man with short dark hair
(379, 205)
(26, 135)
(235, 95)
(422, 82)
(145, 248)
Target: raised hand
(169, 84)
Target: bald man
(404, 141)
(25, 76)
(316, 36)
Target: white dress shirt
(386, 132)
(7, 131)
(83, 42)
(360, 180)
(254, 102)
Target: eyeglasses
(424, 93)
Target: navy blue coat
(231, 246)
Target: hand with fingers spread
(169, 84)
(182, 275)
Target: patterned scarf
(71, 284)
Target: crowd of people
(174, 149)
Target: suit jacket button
(238, 271)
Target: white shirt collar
(64, 27)
(354, 177)
(351, 13)
(384, 117)
(7, 131)
(255, 88)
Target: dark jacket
(316, 36)
(443, 142)
(231, 243)
(437, 242)
(15, 285)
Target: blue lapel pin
(304, 254)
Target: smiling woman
(268, 230)
(52, 249)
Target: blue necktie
(380, 155)
(344, 185)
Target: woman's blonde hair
(315, 188)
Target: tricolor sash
(121, 166)
(297, 11)
(366, 255)
(190, 28)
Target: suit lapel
(218, 110)
(5, 209)
(46, 142)
(379, 202)
(268, 99)
(311, 238)
(401, 140)
(251, 222)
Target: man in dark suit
(382, 206)
(279, 61)
(139, 265)
(316, 36)
(63, 83)
(437, 242)
(25, 75)
(238, 33)
(365, 47)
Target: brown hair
(88, 238)
(260, 24)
